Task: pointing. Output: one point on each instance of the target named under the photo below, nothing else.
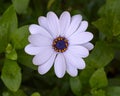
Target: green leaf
(11, 75)
(18, 93)
(113, 91)
(109, 23)
(20, 5)
(85, 75)
(104, 26)
(101, 55)
(98, 79)
(3, 39)
(11, 53)
(9, 20)
(35, 94)
(99, 92)
(5, 94)
(8, 24)
(20, 37)
(26, 59)
(75, 85)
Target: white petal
(43, 56)
(38, 40)
(53, 24)
(32, 50)
(80, 38)
(65, 20)
(76, 20)
(75, 61)
(83, 26)
(36, 29)
(60, 66)
(71, 70)
(89, 46)
(43, 22)
(44, 68)
(79, 51)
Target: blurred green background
(19, 77)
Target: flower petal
(43, 56)
(53, 24)
(80, 38)
(89, 46)
(79, 51)
(32, 50)
(71, 70)
(65, 20)
(38, 40)
(44, 68)
(83, 26)
(75, 22)
(36, 29)
(43, 22)
(60, 66)
(75, 61)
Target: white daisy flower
(60, 42)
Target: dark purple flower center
(60, 44)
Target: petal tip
(30, 27)
(59, 76)
(25, 49)
(83, 66)
(66, 12)
(35, 62)
(51, 13)
(40, 71)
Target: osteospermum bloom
(62, 42)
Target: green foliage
(8, 24)
(20, 37)
(50, 3)
(20, 5)
(98, 79)
(35, 94)
(27, 60)
(98, 93)
(19, 77)
(11, 53)
(76, 85)
(109, 23)
(18, 93)
(101, 55)
(11, 75)
(9, 20)
(3, 38)
(113, 91)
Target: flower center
(60, 44)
